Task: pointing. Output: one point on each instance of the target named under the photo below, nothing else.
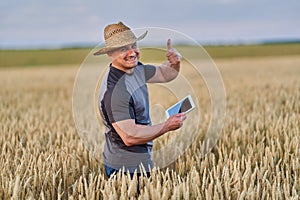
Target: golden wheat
(256, 157)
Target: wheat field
(257, 155)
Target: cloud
(226, 1)
(75, 20)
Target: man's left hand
(173, 56)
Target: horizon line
(75, 45)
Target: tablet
(185, 105)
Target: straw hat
(118, 35)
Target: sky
(58, 23)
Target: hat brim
(108, 49)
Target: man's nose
(131, 52)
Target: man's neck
(126, 70)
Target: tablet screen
(185, 105)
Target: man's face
(125, 57)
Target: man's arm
(168, 70)
(134, 134)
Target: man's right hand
(175, 121)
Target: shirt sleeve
(118, 106)
(149, 71)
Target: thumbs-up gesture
(172, 55)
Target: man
(124, 103)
